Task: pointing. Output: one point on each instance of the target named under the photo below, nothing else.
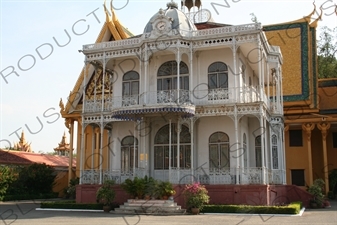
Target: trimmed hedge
(292, 208)
(29, 196)
(74, 205)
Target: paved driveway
(24, 213)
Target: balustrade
(163, 98)
(253, 175)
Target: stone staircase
(150, 207)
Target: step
(156, 201)
(150, 212)
(147, 204)
(150, 207)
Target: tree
(327, 52)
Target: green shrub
(105, 194)
(70, 191)
(7, 176)
(292, 208)
(33, 179)
(317, 191)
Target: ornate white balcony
(183, 101)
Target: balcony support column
(237, 143)
(178, 146)
(262, 145)
(82, 147)
(146, 67)
(170, 148)
(178, 58)
(234, 48)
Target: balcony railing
(164, 98)
(253, 175)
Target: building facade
(193, 100)
(181, 102)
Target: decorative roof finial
(172, 5)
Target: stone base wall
(219, 194)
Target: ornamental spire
(172, 5)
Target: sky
(34, 43)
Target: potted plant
(316, 191)
(196, 196)
(135, 187)
(106, 195)
(165, 190)
(151, 187)
(129, 187)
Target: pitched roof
(118, 32)
(26, 158)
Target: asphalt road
(25, 213)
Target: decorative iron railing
(228, 175)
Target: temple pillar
(324, 127)
(308, 127)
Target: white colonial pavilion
(183, 102)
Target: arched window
(217, 81)
(129, 153)
(274, 148)
(218, 151)
(258, 153)
(217, 75)
(167, 76)
(245, 153)
(130, 88)
(161, 148)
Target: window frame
(296, 182)
(295, 142)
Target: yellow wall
(289, 41)
(296, 157)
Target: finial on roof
(314, 24)
(114, 17)
(22, 139)
(107, 14)
(308, 17)
(172, 5)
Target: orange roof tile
(25, 158)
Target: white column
(191, 73)
(236, 88)
(82, 122)
(82, 151)
(178, 147)
(146, 66)
(134, 149)
(262, 145)
(178, 75)
(101, 153)
(268, 87)
(192, 148)
(170, 154)
(93, 147)
(237, 145)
